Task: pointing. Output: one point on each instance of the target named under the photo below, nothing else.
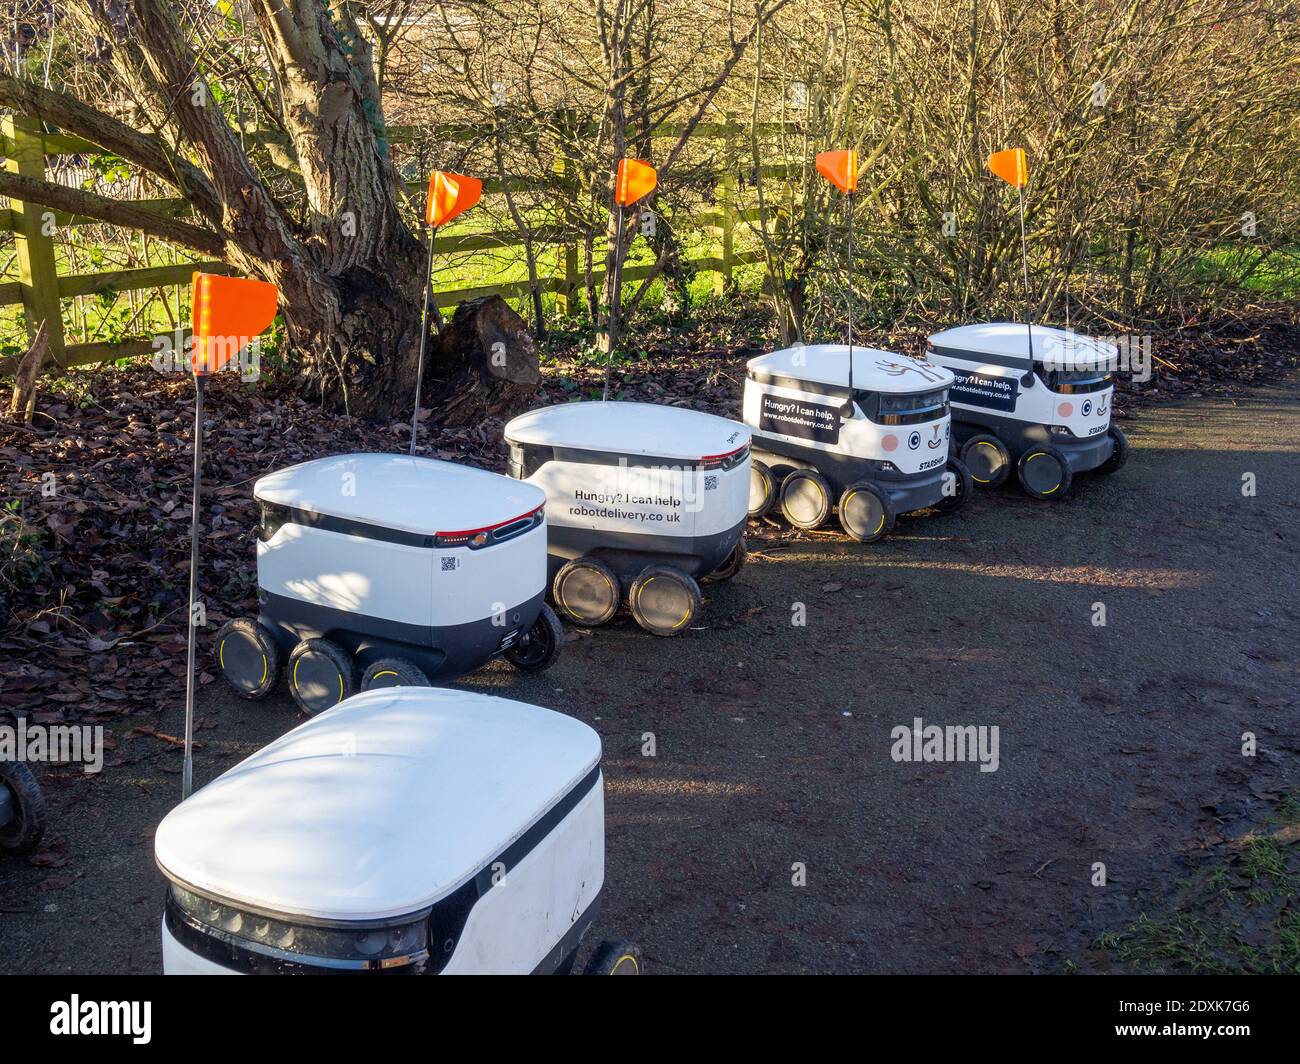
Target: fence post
(567, 252)
(727, 205)
(37, 272)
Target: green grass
(1238, 915)
(109, 316)
(1274, 276)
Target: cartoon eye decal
(947, 429)
(914, 441)
(1087, 407)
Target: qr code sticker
(449, 564)
(710, 482)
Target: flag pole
(424, 336)
(1028, 379)
(613, 305)
(840, 168)
(187, 772)
(235, 310)
(848, 206)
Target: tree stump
(482, 364)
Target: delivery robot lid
(378, 807)
(1009, 339)
(410, 494)
(873, 370)
(668, 432)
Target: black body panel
(1018, 436)
(443, 653)
(627, 553)
(527, 458)
(907, 491)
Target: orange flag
(1010, 166)
(635, 180)
(450, 195)
(227, 313)
(840, 168)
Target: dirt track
(1119, 744)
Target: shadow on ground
(1120, 745)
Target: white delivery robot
(642, 501)
(874, 454)
(390, 570)
(1049, 419)
(407, 830)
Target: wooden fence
(40, 287)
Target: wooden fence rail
(39, 289)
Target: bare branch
(70, 114)
(116, 212)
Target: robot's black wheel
(958, 486)
(988, 460)
(614, 958)
(21, 834)
(1044, 472)
(664, 599)
(762, 489)
(1119, 455)
(320, 675)
(806, 499)
(538, 648)
(393, 672)
(866, 513)
(734, 563)
(248, 658)
(587, 592)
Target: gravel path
(1118, 744)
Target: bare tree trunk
(589, 275)
(525, 230)
(349, 270)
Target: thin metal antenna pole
(424, 336)
(1028, 379)
(848, 206)
(187, 773)
(613, 306)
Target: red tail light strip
(712, 461)
(451, 539)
